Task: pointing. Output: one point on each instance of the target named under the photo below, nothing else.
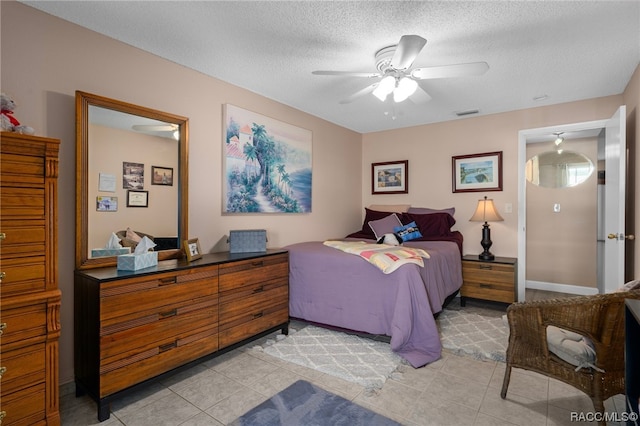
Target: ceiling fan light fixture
(559, 139)
(385, 87)
(406, 87)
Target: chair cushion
(571, 347)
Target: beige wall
(108, 149)
(429, 149)
(45, 60)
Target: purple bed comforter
(331, 287)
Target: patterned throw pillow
(408, 232)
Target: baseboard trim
(562, 288)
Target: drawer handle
(260, 263)
(485, 285)
(2, 371)
(168, 346)
(2, 275)
(259, 289)
(258, 315)
(167, 281)
(3, 236)
(3, 327)
(486, 267)
(171, 313)
(3, 414)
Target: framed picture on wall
(477, 172)
(161, 175)
(137, 198)
(390, 177)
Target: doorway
(610, 261)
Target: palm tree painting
(267, 164)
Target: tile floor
(452, 391)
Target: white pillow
(571, 347)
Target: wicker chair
(598, 317)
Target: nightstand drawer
(492, 272)
(488, 291)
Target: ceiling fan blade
(348, 73)
(407, 51)
(359, 93)
(420, 96)
(154, 127)
(449, 71)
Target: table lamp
(486, 212)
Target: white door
(614, 202)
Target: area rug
(350, 357)
(475, 330)
(305, 404)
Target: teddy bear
(8, 121)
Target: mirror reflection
(558, 169)
(132, 180)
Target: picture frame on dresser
(192, 249)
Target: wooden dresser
(134, 326)
(30, 299)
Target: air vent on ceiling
(467, 112)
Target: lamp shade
(486, 212)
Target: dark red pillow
(431, 225)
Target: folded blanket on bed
(387, 258)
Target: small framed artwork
(137, 198)
(106, 204)
(161, 176)
(390, 177)
(477, 172)
(132, 175)
(192, 249)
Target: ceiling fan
(396, 77)
(161, 129)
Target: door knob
(612, 236)
(629, 237)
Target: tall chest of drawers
(135, 326)
(30, 298)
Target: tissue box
(110, 252)
(133, 262)
(247, 241)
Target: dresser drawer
(127, 298)
(22, 238)
(248, 272)
(23, 274)
(154, 362)
(242, 317)
(22, 368)
(20, 203)
(24, 407)
(119, 340)
(23, 325)
(21, 170)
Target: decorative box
(133, 262)
(247, 241)
(110, 252)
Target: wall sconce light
(486, 212)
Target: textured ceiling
(565, 50)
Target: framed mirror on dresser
(132, 175)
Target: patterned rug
(305, 404)
(476, 330)
(356, 359)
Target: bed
(328, 286)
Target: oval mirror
(558, 169)
(132, 173)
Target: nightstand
(489, 279)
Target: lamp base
(486, 256)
